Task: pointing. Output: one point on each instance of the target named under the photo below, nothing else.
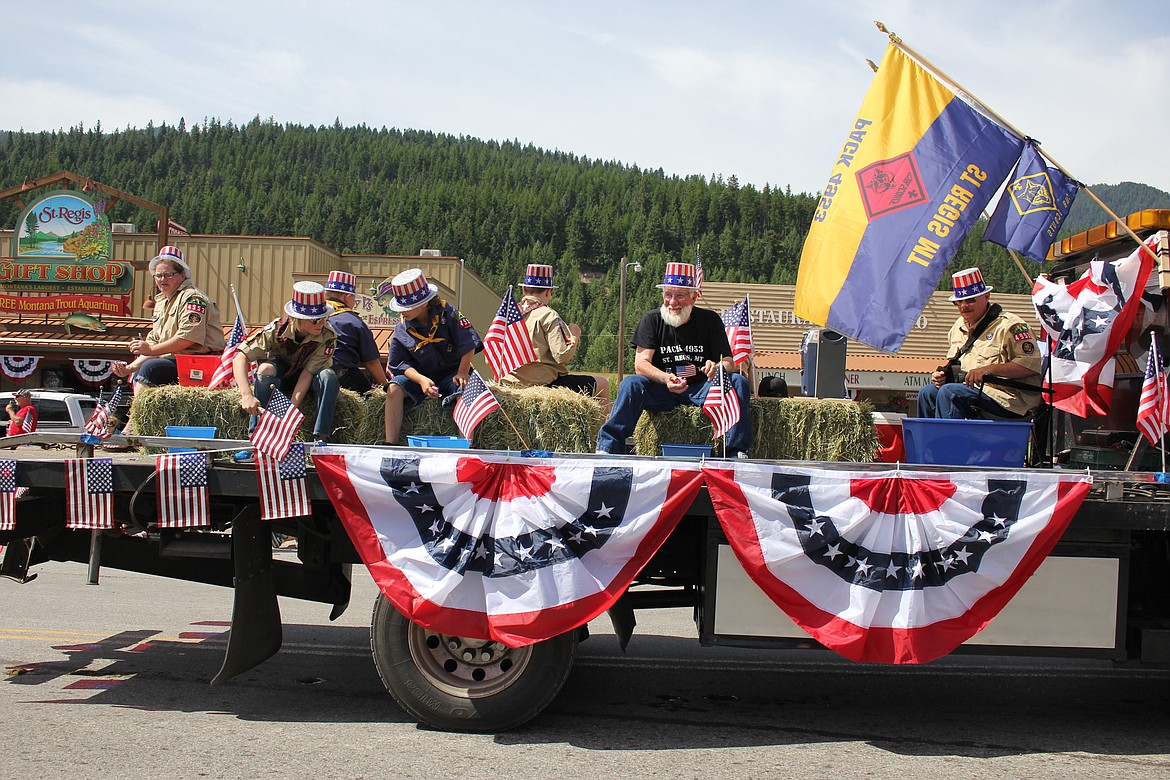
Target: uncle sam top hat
(539, 275)
(411, 290)
(969, 284)
(341, 282)
(679, 275)
(173, 254)
(308, 302)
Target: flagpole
(957, 87)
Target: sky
(763, 91)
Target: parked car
(56, 411)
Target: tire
(456, 684)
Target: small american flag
(97, 423)
(698, 271)
(686, 371)
(476, 403)
(182, 490)
(507, 343)
(738, 325)
(284, 491)
(89, 493)
(1152, 418)
(28, 424)
(721, 404)
(278, 425)
(223, 376)
(7, 494)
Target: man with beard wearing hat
(295, 353)
(554, 342)
(355, 343)
(984, 341)
(431, 349)
(678, 350)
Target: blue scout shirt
(435, 346)
(355, 342)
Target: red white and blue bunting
(93, 372)
(18, 367)
(880, 566)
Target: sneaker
(742, 455)
(244, 456)
(600, 452)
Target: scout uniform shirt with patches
(434, 346)
(1008, 339)
(552, 342)
(313, 353)
(188, 314)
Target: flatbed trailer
(1102, 592)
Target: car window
(49, 410)
(87, 406)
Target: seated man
(295, 353)
(431, 349)
(355, 343)
(984, 341)
(678, 350)
(555, 342)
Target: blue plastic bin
(190, 432)
(448, 442)
(686, 450)
(966, 442)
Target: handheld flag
(277, 426)
(182, 490)
(722, 404)
(916, 170)
(1032, 208)
(1152, 418)
(224, 376)
(284, 489)
(475, 403)
(98, 423)
(737, 323)
(28, 423)
(698, 271)
(507, 344)
(7, 494)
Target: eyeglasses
(317, 321)
(165, 276)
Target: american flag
(89, 493)
(507, 343)
(284, 490)
(685, 371)
(721, 403)
(7, 494)
(182, 490)
(698, 271)
(223, 376)
(738, 325)
(1152, 417)
(96, 424)
(278, 425)
(476, 403)
(28, 424)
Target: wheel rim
(468, 668)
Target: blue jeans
(953, 400)
(637, 393)
(158, 371)
(414, 393)
(324, 388)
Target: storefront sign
(112, 305)
(894, 381)
(374, 313)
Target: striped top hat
(173, 254)
(341, 282)
(539, 275)
(308, 302)
(679, 275)
(411, 290)
(969, 284)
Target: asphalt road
(112, 681)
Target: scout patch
(196, 306)
(1028, 347)
(463, 321)
(194, 318)
(1021, 332)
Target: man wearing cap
(355, 343)
(554, 342)
(186, 321)
(294, 351)
(985, 341)
(678, 349)
(22, 415)
(431, 349)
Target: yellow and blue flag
(1032, 208)
(917, 169)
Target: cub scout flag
(1032, 208)
(916, 171)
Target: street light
(622, 317)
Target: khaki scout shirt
(1008, 339)
(188, 314)
(552, 342)
(312, 353)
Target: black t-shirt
(700, 339)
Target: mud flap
(256, 632)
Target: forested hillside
(498, 205)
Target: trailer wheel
(458, 684)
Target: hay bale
(785, 429)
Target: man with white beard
(678, 349)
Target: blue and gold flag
(916, 170)
(1032, 208)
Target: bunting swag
(899, 567)
(490, 548)
(17, 367)
(93, 372)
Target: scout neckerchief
(530, 304)
(430, 338)
(339, 308)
